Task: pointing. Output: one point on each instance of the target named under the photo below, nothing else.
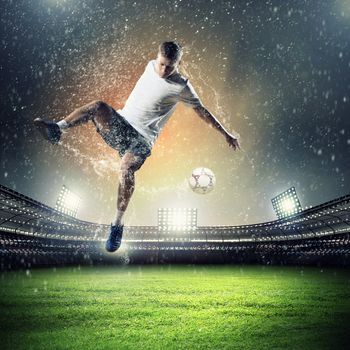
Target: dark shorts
(123, 137)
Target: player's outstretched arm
(211, 120)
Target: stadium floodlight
(68, 202)
(286, 203)
(177, 219)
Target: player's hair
(171, 50)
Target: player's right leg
(98, 111)
(130, 163)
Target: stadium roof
(21, 214)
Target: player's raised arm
(191, 99)
(211, 120)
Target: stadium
(167, 281)
(35, 234)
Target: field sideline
(175, 307)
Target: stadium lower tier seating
(23, 251)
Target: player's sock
(119, 218)
(62, 124)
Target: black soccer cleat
(50, 130)
(115, 238)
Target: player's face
(165, 67)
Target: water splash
(102, 164)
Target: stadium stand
(32, 233)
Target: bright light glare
(288, 205)
(71, 201)
(67, 202)
(179, 219)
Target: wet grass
(175, 307)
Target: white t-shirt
(153, 100)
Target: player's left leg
(130, 163)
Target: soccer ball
(202, 180)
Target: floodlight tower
(286, 203)
(177, 219)
(68, 202)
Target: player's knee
(131, 165)
(99, 105)
(99, 108)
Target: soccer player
(133, 129)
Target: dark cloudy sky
(276, 72)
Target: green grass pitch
(175, 307)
